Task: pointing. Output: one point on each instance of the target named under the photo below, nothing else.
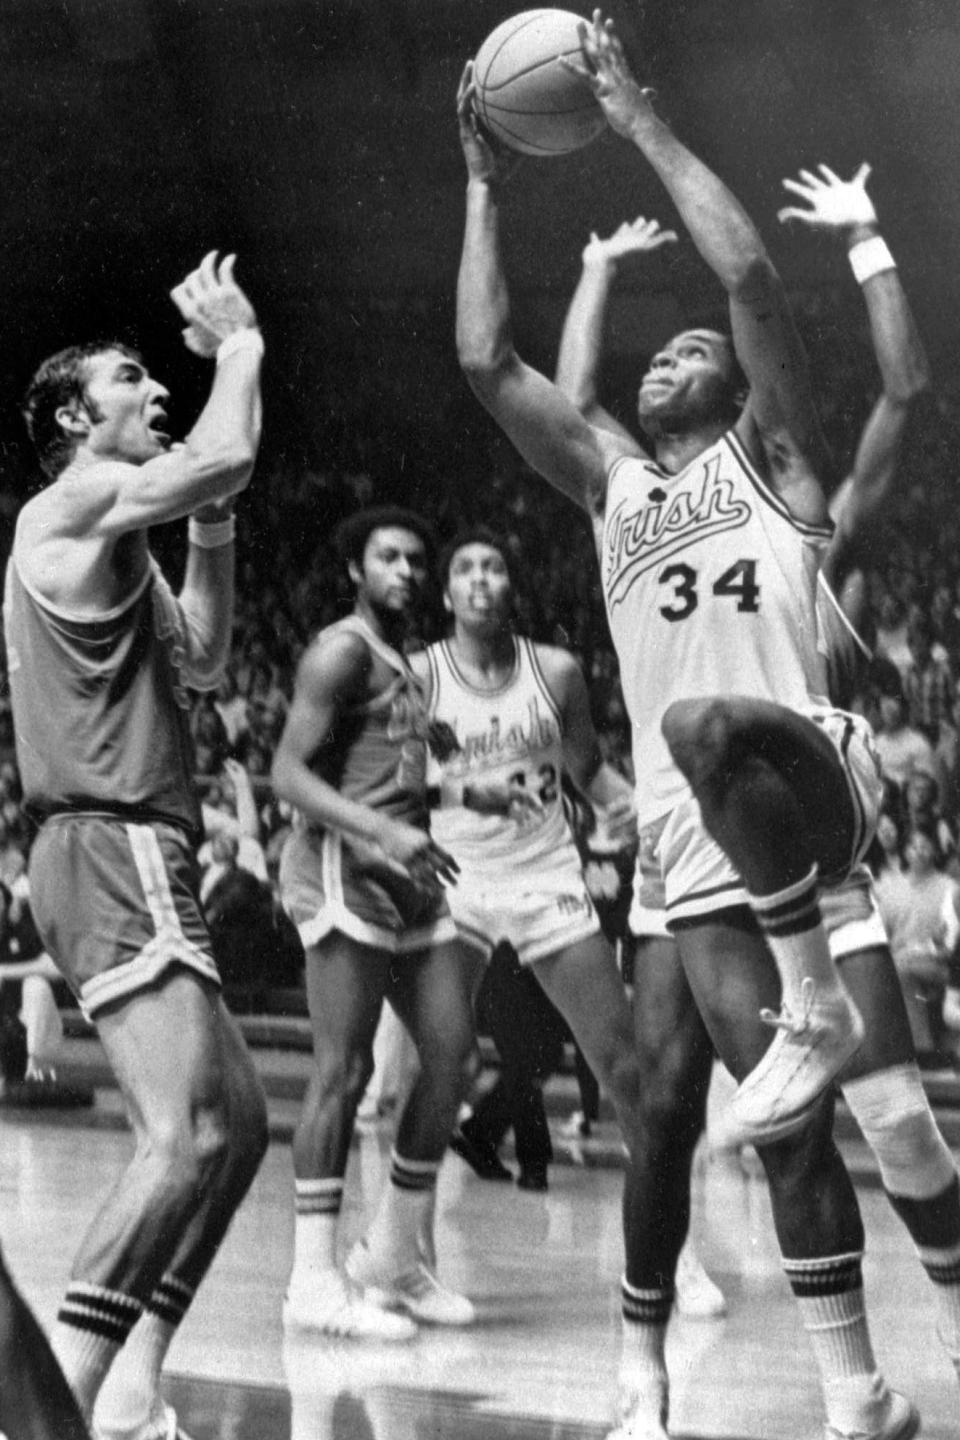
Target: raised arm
(581, 343)
(216, 460)
(844, 207)
(780, 425)
(546, 428)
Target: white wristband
(870, 257)
(246, 339)
(212, 535)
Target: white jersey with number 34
(710, 589)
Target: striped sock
(943, 1267)
(93, 1324)
(793, 929)
(643, 1366)
(318, 1205)
(396, 1237)
(829, 1293)
(132, 1388)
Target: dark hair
(61, 380)
(476, 535)
(351, 535)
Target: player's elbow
(753, 277)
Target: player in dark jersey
(724, 461)
(363, 880)
(101, 655)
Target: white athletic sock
(131, 1391)
(92, 1325)
(315, 1228)
(829, 1292)
(791, 924)
(943, 1267)
(643, 1365)
(394, 1239)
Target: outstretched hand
(637, 237)
(830, 203)
(213, 305)
(484, 161)
(605, 69)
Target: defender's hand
(412, 852)
(637, 237)
(831, 203)
(213, 305)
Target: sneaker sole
(393, 1335)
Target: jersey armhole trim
(767, 493)
(70, 616)
(854, 634)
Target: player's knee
(700, 735)
(892, 1110)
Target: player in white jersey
(508, 718)
(881, 1084)
(767, 460)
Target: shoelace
(793, 1024)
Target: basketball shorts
(853, 741)
(537, 922)
(851, 916)
(327, 885)
(117, 905)
(648, 908)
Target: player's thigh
(804, 755)
(583, 982)
(166, 1047)
(345, 982)
(432, 993)
(877, 991)
(732, 977)
(673, 1048)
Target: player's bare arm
(780, 426)
(545, 427)
(581, 343)
(582, 757)
(843, 207)
(333, 675)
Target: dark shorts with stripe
(117, 904)
(327, 885)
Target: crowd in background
(290, 585)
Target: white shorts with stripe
(327, 885)
(117, 905)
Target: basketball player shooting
(716, 637)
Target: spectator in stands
(921, 921)
(928, 681)
(947, 761)
(231, 706)
(891, 638)
(901, 748)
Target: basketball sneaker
(902, 1423)
(162, 1425)
(415, 1292)
(809, 1049)
(643, 1410)
(697, 1297)
(334, 1305)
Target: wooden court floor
(543, 1271)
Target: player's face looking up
(693, 380)
(394, 569)
(478, 585)
(126, 409)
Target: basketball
(524, 96)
